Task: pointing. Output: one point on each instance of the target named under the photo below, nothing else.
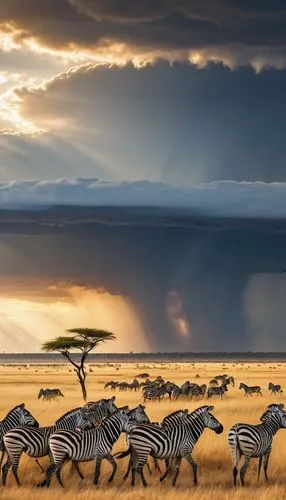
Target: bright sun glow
(31, 322)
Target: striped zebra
(217, 391)
(17, 416)
(274, 388)
(177, 442)
(49, 394)
(35, 441)
(175, 418)
(100, 409)
(255, 441)
(154, 392)
(249, 390)
(94, 444)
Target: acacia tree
(83, 340)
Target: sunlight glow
(30, 322)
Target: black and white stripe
(94, 444)
(17, 416)
(255, 441)
(249, 390)
(98, 410)
(35, 441)
(154, 392)
(176, 442)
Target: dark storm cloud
(236, 32)
(211, 267)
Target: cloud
(225, 198)
(230, 32)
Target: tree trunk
(81, 380)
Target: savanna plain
(22, 383)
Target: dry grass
(212, 455)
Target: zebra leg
(2, 457)
(191, 461)
(97, 469)
(58, 469)
(265, 463)
(14, 463)
(259, 467)
(235, 472)
(111, 460)
(5, 470)
(141, 462)
(75, 466)
(128, 470)
(156, 464)
(177, 470)
(243, 470)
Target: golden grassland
(21, 384)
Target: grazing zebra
(94, 444)
(35, 441)
(255, 441)
(230, 380)
(154, 392)
(176, 442)
(249, 390)
(274, 388)
(49, 394)
(176, 391)
(111, 384)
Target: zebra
(19, 415)
(176, 442)
(111, 384)
(217, 391)
(94, 444)
(175, 418)
(100, 409)
(49, 394)
(134, 385)
(274, 388)
(249, 390)
(255, 441)
(35, 441)
(154, 392)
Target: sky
(160, 126)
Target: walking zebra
(94, 444)
(172, 420)
(49, 394)
(35, 441)
(255, 441)
(177, 442)
(274, 388)
(249, 390)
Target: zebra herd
(89, 433)
(158, 388)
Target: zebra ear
(210, 408)
(186, 411)
(112, 399)
(281, 406)
(22, 405)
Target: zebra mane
(70, 412)
(174, 413)
(201, 410)
(105, 419)
(13, 410)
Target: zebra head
(121, 416)
(83, 419)
(242, 385)
(139, 415)
(25, 417)
(210, 420)
(275, 412)
(41, 393)
(110, 405)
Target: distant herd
(158, 388)
(88, 433)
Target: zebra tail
(122, 454)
